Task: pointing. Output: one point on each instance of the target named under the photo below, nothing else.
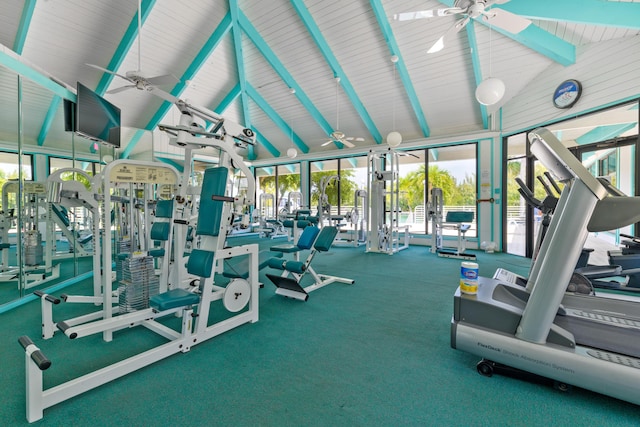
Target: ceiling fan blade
(166, 79)
(439, 45)
(506, 20)
(324, 144)
(121, 89)
(347, 143)
(421, 14)
(104, 70)
(162, 94)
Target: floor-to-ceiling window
(454, 170)
(607, 144)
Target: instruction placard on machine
(142, 174)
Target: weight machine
(217, 209)
(456, 220)
(34, 263)
(324, 207)
(358, 218)
(383, 233)
(70, 198)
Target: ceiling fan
(469, 9)
(337, 135)
(137, 78)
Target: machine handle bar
(34, 352)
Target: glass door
(614, 161)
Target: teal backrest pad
(459, 216)
(325, 239)
(200, 263)
(164, 208)
(307, 237)
(210, 213)
(160, 231)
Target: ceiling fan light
(394, 139)
(490, 91)
(292, 153)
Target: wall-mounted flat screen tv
(97, 118)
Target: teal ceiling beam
(269, 170)
(477, 71)
(84, 165)
(124, 46)
(266, 144)
(206, 50)
(536, 39)
(48, 119)
(383, 22)
(604, 133)
(544, 43)
(588, 12)
(228, 99)
(333, 62)
(319, 165)
(284, 74)
(233, 94)
(271, 113)
(353, 162)
(179, 166)
(291, 168)
(23, 27)
(13, 63)
(236, 15)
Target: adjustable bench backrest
(210, 215)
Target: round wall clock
(567, 94)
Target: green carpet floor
(375, 353)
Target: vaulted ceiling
(272, 65)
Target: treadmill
(588, 341)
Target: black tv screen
(97, 118)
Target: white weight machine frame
(237, 295)
(33, 275)
(383, 228)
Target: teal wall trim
(588, 12)
(284, 74)
(333, 62)
(125, 45)
(48, 119)
(604, 132)
(206, 50)
(273, 115)
(50, 290)
(23, 27)
(401, 67)
(477, 71)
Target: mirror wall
(42, 244)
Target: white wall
(608, 71)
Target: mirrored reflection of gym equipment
(74, 211)
(239, 298)
(383, 188)
(454, 220)
(129, 193)
(33, 263)
(357, 217)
